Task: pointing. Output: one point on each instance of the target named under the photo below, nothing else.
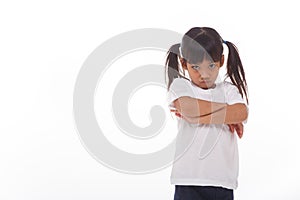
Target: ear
(222, 61)
(183, 63)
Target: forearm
(231, 114)
(192, 107)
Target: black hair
(201, 43)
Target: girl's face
(204, 74)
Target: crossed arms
(199, 111)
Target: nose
(203, 74)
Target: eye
(212, 66)
(195, 67)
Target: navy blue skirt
(183, 192)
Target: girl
(206, 165)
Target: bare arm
(232, 114)
(192, 107)
(205, 112)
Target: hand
(239, 128)
(177, 113)
(191, 120)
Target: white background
(42, 48)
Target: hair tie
(224, 41)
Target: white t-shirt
(206, 154)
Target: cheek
(190, 71)
(215, 75)
(194, 74)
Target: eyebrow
(200, 65)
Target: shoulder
(180, 87)
(228, 85)
(180, 82)
(232, 93)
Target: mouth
(205, 82)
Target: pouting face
(204, 74)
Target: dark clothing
(183, 192)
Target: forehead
(204, 62)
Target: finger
(240, 126)
(240, 134)
(240, 129)
(231, 128)
(178, 114)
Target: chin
(206, 86)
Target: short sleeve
(233, 94)
(179, 87)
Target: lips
(205, 82)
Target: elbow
(236, 113)
(243, 113)
(244, 116)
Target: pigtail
(235, 70)
(172, 64)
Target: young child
(206, 160)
